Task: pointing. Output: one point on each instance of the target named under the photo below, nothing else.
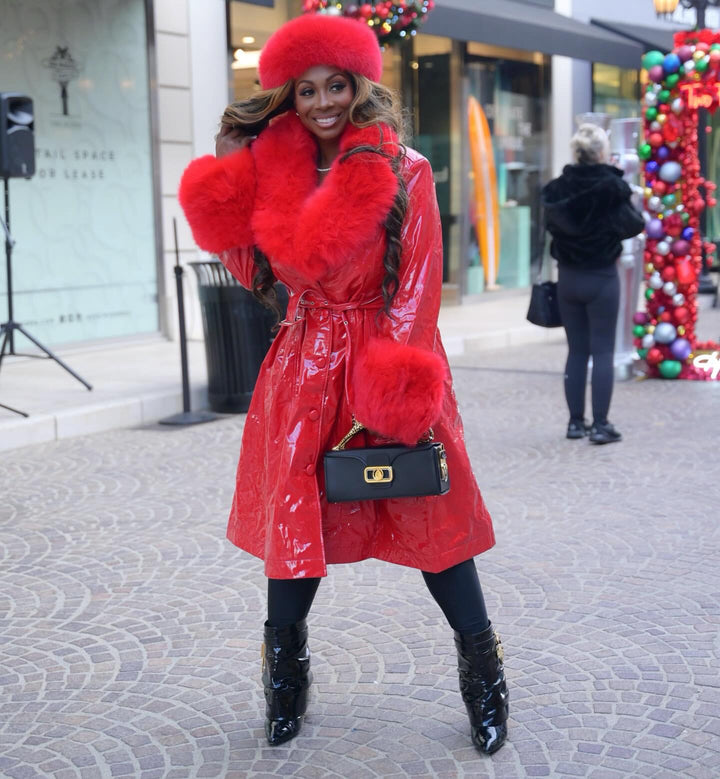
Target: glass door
(508, 107)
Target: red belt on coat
(304, 301)
(297, 305)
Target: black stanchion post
(186, 417)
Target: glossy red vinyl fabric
(302, 406)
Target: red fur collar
(317, 229)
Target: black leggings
(457, 591)
(589, 301)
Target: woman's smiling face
(322, 98)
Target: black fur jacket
(588, 213)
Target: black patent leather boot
(286, 677)
(483, 688)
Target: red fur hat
(318, 39)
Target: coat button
(310, 469)
(314, 415)
(320, 362)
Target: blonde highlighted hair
(373, 103)
(590, 145)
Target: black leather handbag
(544, 309)
(378, 472)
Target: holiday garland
(679, 84)
(391, 21)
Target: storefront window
(431, 99)
(85, 260)
(250, 27)
(616, 91)
(511, 89)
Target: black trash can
(238, 333)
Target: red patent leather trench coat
(335, 355)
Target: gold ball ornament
(649, 268)
(650, 329)
(681, 330)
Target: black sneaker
(577, 428)
(604, 434)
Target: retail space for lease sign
(84, 263)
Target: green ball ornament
(701, 65)
(669, 200)
(642, 353)
(670, 369)
(663, 96)
(645, 151)
(715, 47)
(639, 331)
(652, 58)
(649, 293)
(685, 217)
(672, 80)
(651, 114)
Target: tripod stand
(7, 329)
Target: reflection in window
(616, 91)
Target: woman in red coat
(311, 187)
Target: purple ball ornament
(680, 349)
(654, 229)
(680, 248)
(640, 318)
(656, 73)
(688, 233)
(662, 153)
(685, 53)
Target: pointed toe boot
(286, 678)
(483, 687)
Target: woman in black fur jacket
(588, 213)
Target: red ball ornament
(666, 316)
(668, 274)
(681, 315)
(366, 10)
(654, 356)
(655, 140)
(659, 187)
(673, 225)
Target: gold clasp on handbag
(442, 457)
(378, 474)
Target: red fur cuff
(398, 390)
(217, 197)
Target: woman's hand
(231, 139)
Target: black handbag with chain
(378, 472)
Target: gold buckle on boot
(499, 651)
(262, 657)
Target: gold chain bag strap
(382, 472)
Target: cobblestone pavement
(130, 629)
